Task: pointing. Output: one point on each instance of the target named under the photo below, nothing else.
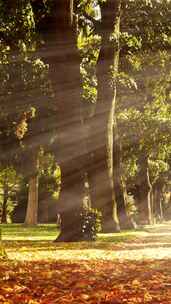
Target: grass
(49, 232)
(36, 243)
(130, 267)
(18, 232)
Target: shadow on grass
(41, 238)
(33, 246)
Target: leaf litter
(91, 282)
(133, 272)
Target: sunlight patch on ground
(76, 252)
(30, 238)
(33, 244)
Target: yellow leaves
(9, 275)
(46, 274)
(22, 127)
(68, 274)
(136, 283)
(84, 296)
(147, 297)
(7, 289)
(85, 282)
(81, 284)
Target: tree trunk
(157, 200)
(100, 143)
(119, 187)
(5, 199)
(152, 204)
(71, 201)
(32, 205)
(64, 63)
(145, 188)
(4, 206)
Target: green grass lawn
(36, 243)
(49, 232)
(18, 232)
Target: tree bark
(157, 200)
(32, 205)
(5, 199)
(4, 206)
(119, 187)
(64, 64)
(100, 143)
(144, 193)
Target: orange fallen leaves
(91, 282)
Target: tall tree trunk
(119, 187)
(100, 172)
(32, 205)
(157, 200)
(145, 188)
(4, 206)
(152, 198)
(64, 65)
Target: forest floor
(128, 267)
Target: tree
(100, 145)
(32, 205)
(125, 220)
(9, 183)
(64, 71)
(27, 107)
(50, 109)
(49, 187)
(149, 142)
(158, 188)
(144, 63)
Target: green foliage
(9, 185)
(18, 214)
(17, 27)
(49, 187)
(125, 80)
(90, 223)
(147, 22)
(26, 93)
(27, 118)
(89, 49)
(49, 176)
(144, 108)
(157, 168)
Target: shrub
(90, 224)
